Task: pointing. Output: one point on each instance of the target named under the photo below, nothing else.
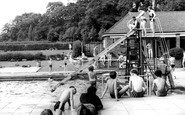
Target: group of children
(50, 62)
(91, 103)
(107, 57)
(141, 20)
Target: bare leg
(152, 27)
(124, 89)
(60, 109)
(69, 102)
(151, 53)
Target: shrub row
(20, 56)
(29, 57)
(22, 47)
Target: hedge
(20, 57)
(44, 46)
(29, 57)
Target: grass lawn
(57, 65)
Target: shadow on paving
(178, 90)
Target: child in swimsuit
(66, 96)
(92, 76)
(159, 87)
(111, 85)
(136, 84)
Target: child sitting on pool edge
(66, 96)
(111, 85)
(136, 84)
(159, 86)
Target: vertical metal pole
(102, 82)
(128, 57)
(140, 53)
(81, 46)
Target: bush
(77, 49)
(177, 53)
(39, 56)
(39, 46)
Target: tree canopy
(84, 20)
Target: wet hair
(113, 74)
(91, 68)
(158, 73)
(91, 90)
(73, 88)
(134, 71)
(46, 112)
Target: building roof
(171, 22)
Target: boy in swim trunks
(92, 76)
(159, 87)
(136, 84)
(114, 90)
(66, 96)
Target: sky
(9, 9)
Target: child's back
(92, 76)
(159, 87)
(160, 83)
(110, 84)
(114, 90)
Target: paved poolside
(170, 105)
(30, 98)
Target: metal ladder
(163, 43)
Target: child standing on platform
(152, 16)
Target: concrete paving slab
(170, 112)
(143, 112)
(108, 112)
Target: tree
(85, 20)
(70, 33)
(77, 49)
(30, 33)
(52, 35)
